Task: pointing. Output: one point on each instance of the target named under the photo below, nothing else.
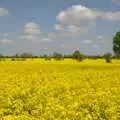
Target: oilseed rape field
(36, 89)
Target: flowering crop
(59, 90)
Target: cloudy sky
(45, 26)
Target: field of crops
(59, 90)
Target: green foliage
(108, 57)
(116, 44)
(77, 55)
(57, 56)
(24, 55)
(48, 58)
(13, 59)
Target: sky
(47, 26)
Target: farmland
(59, 90)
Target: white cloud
(78, 13)
(79, 19)
(99, 37)
(32, 28)
(86, 41)
(31, 33)
(5, 41)
(69, 31)
(75, 29)
(113, 16)
(58, 27)
(34, 38)
(4, 12)
(29, 37)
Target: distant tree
(23, 55)
(26, 55)
(2, 58)
(67, 56)
(116, 44)
(13, 59)
(108, 57)
(17, 55)
(48, 58)
(45, 55)
(77, 55)
(57, 56)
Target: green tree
(116, 44)
(26, 55)
(57, 56)
(108, 57)
(77, 55)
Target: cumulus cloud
(69, 31)
(32, 33)
(76, 20)
(99, 37)
(34, 38)
(58, 27)
(112, 16)
(75, 29)
(4, 12)
(78, 13)
(4, 39)
(32, 28)
(79, 19)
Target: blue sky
(45, 26)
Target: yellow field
(59, 90)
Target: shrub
(108, 57)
